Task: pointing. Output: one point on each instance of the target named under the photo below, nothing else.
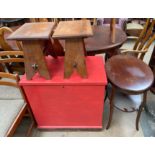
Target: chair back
(9, 76)
(4, 45)
(9, 57)
(146, 38)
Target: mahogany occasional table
(33, 37)
(74, 32)
(131, 76)
(101, 41)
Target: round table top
(101, 40)
(129, 73)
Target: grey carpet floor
(147, 120)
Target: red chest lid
(95, 69)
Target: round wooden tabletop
(101, 40)
(129, 73)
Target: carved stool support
(34, 59)
(75, 58)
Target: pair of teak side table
(66, 92)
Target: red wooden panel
(68, 103)
(67, 106)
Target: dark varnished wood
(131, 76)
(57, 47)
(129, 73)
(101, 41)
(53, 48)
(33, 37)
(141, 109)
(113, 29)
(111, 107)
(73, 32)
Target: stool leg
(106, 94)
(111, 107)
(140, 110)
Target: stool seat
(130, 76)
(129, 73)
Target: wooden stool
(130, 76)
(74, 33)
(33, 37)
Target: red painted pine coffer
(68, 103)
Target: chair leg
(111, 107)
(106, 94)
(2, 68)
(140, 110)
(29, 131)
(33, 123)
